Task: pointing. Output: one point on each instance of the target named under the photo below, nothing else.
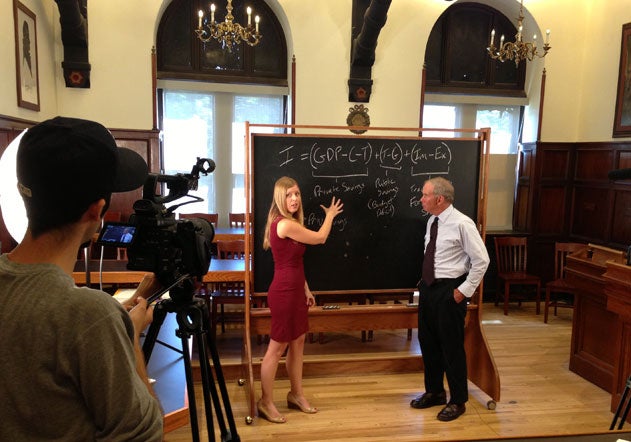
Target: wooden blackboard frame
(480, 363)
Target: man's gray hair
(443, 187)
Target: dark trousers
(441, 337)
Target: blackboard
(377, 242)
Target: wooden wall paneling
(551, 190)
(621, 219)
(589, 216)
(551, 210)
(523, 192)
(555, 162)
(624, 159)
(593, 163)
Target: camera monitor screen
(116, 234)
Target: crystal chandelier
(228, 33)
(518, 50)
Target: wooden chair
(229, 292)
(511, 253)
(559, 285)
(236, 219)
(212, 218)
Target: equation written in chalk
(355, 160)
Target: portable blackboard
(377, 242)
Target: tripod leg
(222, 385)
(190, 387)
(624, 415)
(208, 387)
(205, 343)
(625, 393)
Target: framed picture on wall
(27, 69)
(622, 118)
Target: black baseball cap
(68, 163)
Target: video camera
(175, 250)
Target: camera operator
(71, 363)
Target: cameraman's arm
(141, 316)
(147, 287)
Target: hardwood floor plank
(539, 395)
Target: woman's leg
(269, 365)
(294, 363)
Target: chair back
(511, 253)
(236, 219)
(212, 218)
(561, 250)
(234, 249)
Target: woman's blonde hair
(279, 207)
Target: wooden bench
(346, 318)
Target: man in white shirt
(454, 264)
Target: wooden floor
(539, 395)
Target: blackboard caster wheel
(249, 420)
(241, 382)
(491, 405)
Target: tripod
(621, 404)
(193, 320)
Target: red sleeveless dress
(286, 294)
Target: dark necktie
(430, 252)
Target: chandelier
(228, 33)
(518, 50)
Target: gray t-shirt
(67, 362)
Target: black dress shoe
(451, 412)
(427, 400)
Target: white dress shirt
(459, 249)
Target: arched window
(456, 59)
(181, 55)
(206, 93)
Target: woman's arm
(309, 295)
(291, 229)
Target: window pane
(260, 110)
(439, 117)
(504, 124)
(188, 134)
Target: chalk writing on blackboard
(377, 241)
(345, 161)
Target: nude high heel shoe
(264, 413)
(292, 402)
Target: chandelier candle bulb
(212, 13)
(257, 20)
(249, 10)
(199, 23)
(547, 36)
(492, 36)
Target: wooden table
(115, 272)
(229, 234)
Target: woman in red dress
(289, 297)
